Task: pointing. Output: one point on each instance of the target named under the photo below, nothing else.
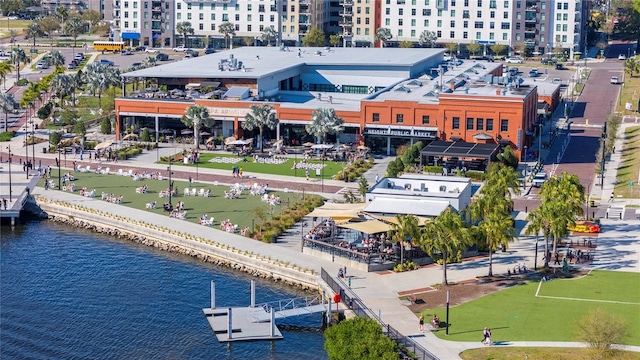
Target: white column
(253, 293)
(272, 329)
(213, 294)
(230, 323)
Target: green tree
(62, 13)
(105, 126)
(383, 35)
(334, 39)
(508, 157)
(79, 128)
(427, 38)
(498, 49)
(628, 26)
(405, 44)
(407, 230)
(314, 38)
(632, 66)
(359, 338)
(261, 116)
(445, 235)
(5, 69)
(54, 138)
(57, 59)
(363, 187)
(452, 48)
(539, 220)
(600, 330)
(323, 122)
(7, 104)
(227, 29)
(145, 136)
(474, 48)
(61, 86)
(69, 117)
(195, 117)
(33, 30)
(268, 34)
(184, 28)
(564, 197)
(49, 24)
(45, 111)
(18, 56)
(395, 167)
(92, 17)
(73, 28)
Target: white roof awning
(427, 208)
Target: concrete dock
(241, 327)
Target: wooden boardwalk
(243, 328)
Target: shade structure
(367, 227)
(338, 212)
(130, 136)
(205, 133)
(210, 140)
(240, 142)
(278, 143)
(307, 144)
(228, 140)
(103, 145)
(186, 132)
(393, 220)
(321, 146)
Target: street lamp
(541, 126)
(170, 184)
(604, 143)
(33, 143)
(58, 163)
(26, 147)
(10, 185)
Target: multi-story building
(144, 22)
(72, 5)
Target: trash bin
(44, 150)
(592, 203)
(317, 172)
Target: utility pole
(604, 152)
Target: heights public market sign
(400, 132)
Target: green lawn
(331, 167)
(630, 166)
(237, 210)
(515, 314)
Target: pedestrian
(421, 323)
(377, 178)
(74, 166)
(240, 172)
(190, 181)
(486, 333)
(345, 271)
(306, 173)
(556, 260)
(4, 203)
(611, 197)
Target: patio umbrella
(228, 140)
(166, 131)
(321, 146)
(204, 133)
(362, 147)
(210, 140)
(130, 136)
(277, 143)
(307, 144)
(103, 145)
(186, 132)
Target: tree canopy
(359, 338)
(315, 38)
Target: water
(71, 294)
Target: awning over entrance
(367, 227)
(460, 149)
(339, 212)
(130, 35)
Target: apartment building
(144, 22)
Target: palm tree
(33, 30)
(323, 122)
(540, 220)
(7, 103)
(74, 27)
(99, 77)
(57, 59)
(184, 28)
(498, 229)
(268, 34)
(406, 230)
(61, 13)
(5, 69)
(445, 235)
(227, 29)
(18, 56)
(259, 117)
(150, 61)
(427, 38)
(61, 86)
(383, 35)
(195, 117)
(565, 196)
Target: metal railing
(354, 255)
(357, 306)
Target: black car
(209, 50)
(547, 61)
(162, 57)
(140, 48)
(560, 67)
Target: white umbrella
(103, 145)
(321, 146)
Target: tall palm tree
(5, 69)
(323, 122)
(445, 235)
(184, 28)
(227, 29)
(383, 35)
(406, 230)
(269, 33)
(33, 30)
(57, 59)
(498, 229)
(540, 220)
(99, 77)
(18, 56)
(195, 117)
(150, 61)
(564, 195)
(61, 86)
(7, 103)
(62, 13)
(427, 38)
(75, 80)
(74, 27)
(259, 117)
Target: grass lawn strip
(603, 286)
(629, 168)
(238, 211)
(509, 353)
(515, 314)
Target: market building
(386, 97)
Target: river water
(69, 293)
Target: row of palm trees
(488, 220)
(323, 121)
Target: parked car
(180, 48)
(547, 61)
(209, 50)
(151, 50)
(136, 64)
(162, 57)
(513, 60)
(622, 57)
(126, 52)
(560, 67)
(79, 57)
(539, 179)
(72, 66)
(191, 53)
(106, 62)
(140, 48)
(533, 72)
(614, 80)
(42, 65)
(557, 81)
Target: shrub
(54, 138)
(406, 266)
(432, 169)
(7, 135)
(600, 330)
(105, 126)
(145, 136)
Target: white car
(151, 50)
(614, 80)
(180, 48)
(539, 179)
(513, 60)
(622, 57)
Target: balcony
(346, 23)
(345, 2)
(346, 13)
(531, 20)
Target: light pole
(541, 126)
(604, 151)
(10, 185)
(33, 143)
(170, 184)
(586, 205)
(535, 259)
(26, 147)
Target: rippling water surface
(71, 294)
